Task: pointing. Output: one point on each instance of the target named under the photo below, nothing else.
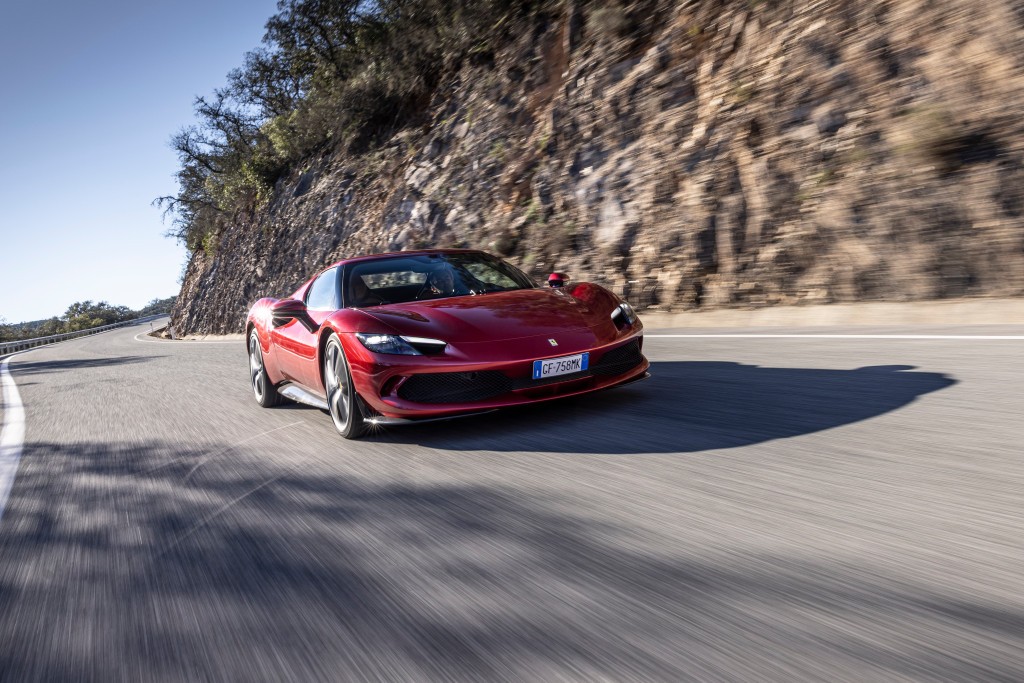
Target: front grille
(618, 360)
(468, 387)
(455, 387)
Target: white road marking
(956, 337)
(12, 435)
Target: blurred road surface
(760, 510)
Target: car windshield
(401, 279)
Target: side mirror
(287, 310)
(557, 279)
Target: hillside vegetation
(689, 154)
(81, 315)
(331, 74)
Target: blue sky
(91, 94)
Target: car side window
(323, 293)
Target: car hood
(491, 317)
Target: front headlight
(401, 346)
(623, 315)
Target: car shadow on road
(21, 368)
(687, 406)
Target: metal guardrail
(22, 344)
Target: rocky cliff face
(689, 155)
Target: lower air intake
(455, 387)
(618, 360)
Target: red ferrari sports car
(418, 335)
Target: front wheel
(341, 396)
(266, 393)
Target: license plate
(566, 365)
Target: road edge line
(12, 434)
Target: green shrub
(329, 72)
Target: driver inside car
(441, 282)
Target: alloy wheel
(256, 374)
(336, 381)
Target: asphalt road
(760, 510)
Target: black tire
(265, 392)
(342, 400)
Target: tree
(84, 315)
(44, 328)
(328, 73)
(156, 306)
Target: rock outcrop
(689, 155)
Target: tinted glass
(400, 279)
(323, 293)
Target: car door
(296, 343)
